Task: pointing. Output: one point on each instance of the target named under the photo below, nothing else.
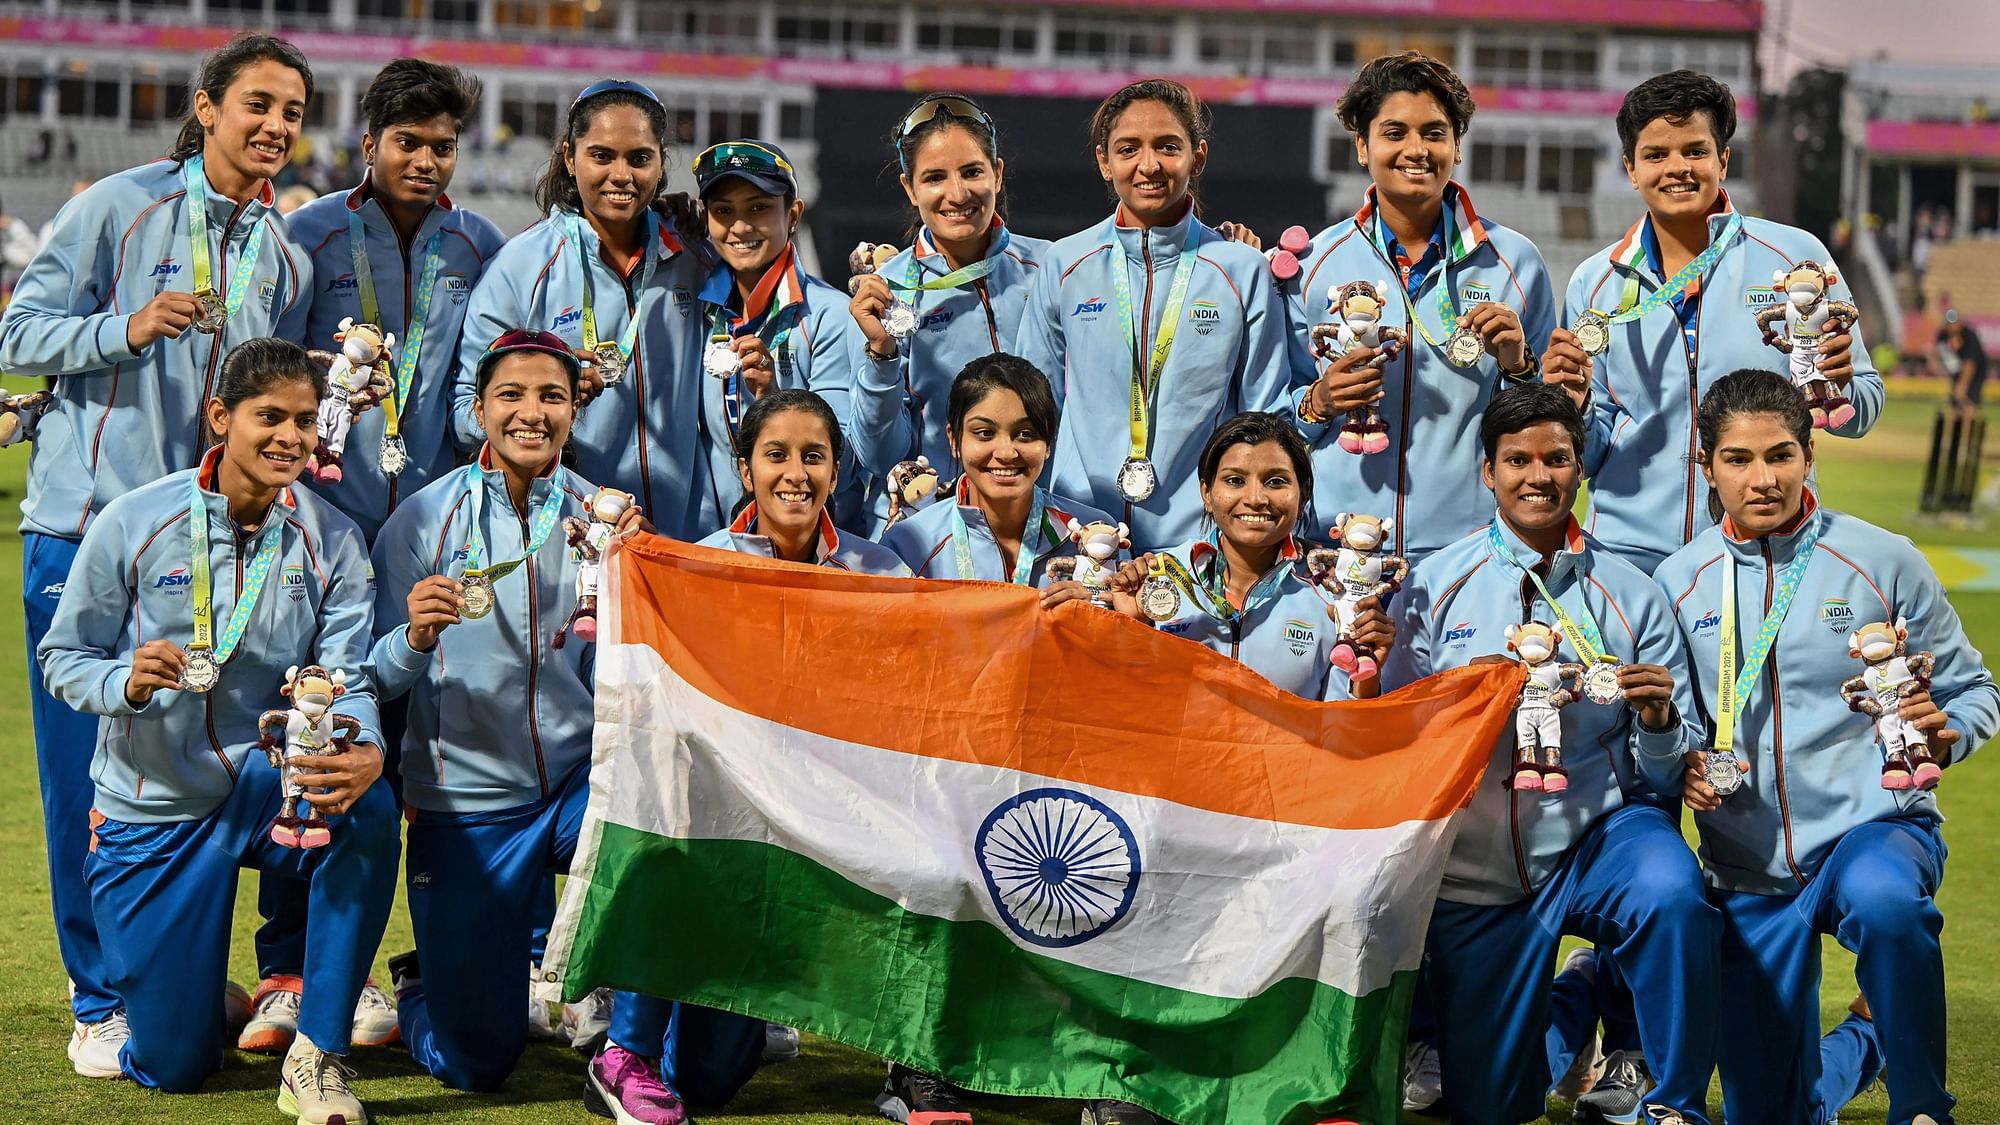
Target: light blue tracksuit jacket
(1229, 355)
(842, 552)
(1647, 496)
(1428, 478)
(132, 583)
(1287, 637)
(923, 541)
(123, 419)
(465, 242)
(1815, 766)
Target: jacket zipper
(638, 368)
(992, 321)
(1235, 636)
(408, 311)
(1778, 723)
(535, 657)
(1514, 795)
(1694, 409)
(1141, 349)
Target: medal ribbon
(1585, 637)
(648, 256)
(770, 297)
(1732, 686)
(194, 174)
(420, 312)
(1146, 378)
(546, 514)
(268, 541)
(1024, 559)
(963, 275)
(1212, 597)
(1457, 246)
(1631, 308)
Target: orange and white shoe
(274, 1016)
(374, 1018)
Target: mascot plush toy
(867, 258)
(358, 378)
(1359, 570)
(912, 487)
(1878, 692)
(1809, 316)
(1357, 311)
(307, 727)
(1097, 547)
(19, 413)
(1538, 719)
(590, 539)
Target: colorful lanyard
(1455, 248)
(1146, 376)
(1630, 307)
(420, 313)
(1585, 637)
(629, 338)
(547, 512)
(195, 175)
(1212, 597)
(1024, 559)
(963, 275)
(732, 388)
(1733, 686)
(268, 541)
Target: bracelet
(1527, 374)
(1306, 412)
(869, 351)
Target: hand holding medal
(435, 604)
(1491, 328)
(156, 666)
(1566, 364)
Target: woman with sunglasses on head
(474, 585)
(961, 285)
(772, 325)
(1153, 327)
(147, 279)
(616, 281)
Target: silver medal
(1159, 599)
(395, 456)
(1600, 683)
(477, 593)
(1592, 332)
(214, 311)
(1464, 348)
(201, 673)
(720, 360)
(611, 363)
(900, 321)
(1137, 479)
(1723, 771)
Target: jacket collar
(1782, 542)
(205, 476)
(782, 287)
(744, 531)
(926, 253)
(1161, 244)
(664, 242)
(1459, 222)
(364, 201)
(1630, 251)
(1574, 558)
(495, 474)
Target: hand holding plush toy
(1538, 720)
(590, 539)
(912, 487)
(359, 377)
(307, 727)
(1356, 308)
(19, 413)
(1810, 316)
(1097, 547)
(1359, 570)
(1878, 692)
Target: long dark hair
(1749, 391)
(557, 187)
(1003, 372)
(1183, 102)
(221, 68)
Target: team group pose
(287, 594)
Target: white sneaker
(374, 1018)
(586, 1022)
(539, 1026)
(314, 1087)
(1423, 1085)
(274, 1021)
(781, 1042)
(94, 1047)
(1589, 1064)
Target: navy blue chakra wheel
(1060, 865)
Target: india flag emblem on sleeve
(1039, 853)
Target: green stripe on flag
(755, 929)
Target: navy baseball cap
(761, 163)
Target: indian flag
(1039, 853)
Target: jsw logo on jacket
(639, 434)
(1428, 478)
(1457, 607)
(122, 418)
(1815, 766)
(498, 717)
(1071, 329)
(178, 757)
(365, 493)
(1647, 497)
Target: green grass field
(1876, 478)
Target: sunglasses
(927, 110)
(607, 85)
(740, 156)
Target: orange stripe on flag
(977, 672)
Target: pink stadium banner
(1977, 139)
(876, 74)
(1746, 16)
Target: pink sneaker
(626, 1088)
(1841, 414)
(1555, 782)
(1896, 778)
(285, 831)
(316, 833)
(1364, 668)
(1352, 440)
(1527, 779)
(1818, 418)
(1284, 265)
(1927, 775)
(1375, 441)
(1343, 657)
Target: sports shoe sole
(599, 1101)
(288, 1104)
(84, 1071)
(267, 1041)
(388, 1039)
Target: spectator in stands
(1959, 357)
